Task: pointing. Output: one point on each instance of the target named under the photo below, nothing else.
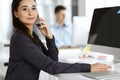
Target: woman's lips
(32, 18)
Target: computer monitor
(105, 27)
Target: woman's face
(27, 12)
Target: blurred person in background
(28, 55)
(61, 29)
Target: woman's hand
(99, 67)
(45, 29)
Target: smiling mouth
(31, 18)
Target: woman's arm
(26, 49)
(51, 50)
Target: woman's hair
(18, 25)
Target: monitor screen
(105, 27)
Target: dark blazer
(28, 58)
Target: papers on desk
(89, 60)
(102, 56)
(72, 56)
(97, 57)
(84, 60)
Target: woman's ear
(16, 14)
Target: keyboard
(105, 75)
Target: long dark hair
(18, 25)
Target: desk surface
(69, 54)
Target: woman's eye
(24, 9)
(33, 8)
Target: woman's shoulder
(19, 36)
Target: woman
(28, 56)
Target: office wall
(86, 7)
(112, 2)
(92, 4)
(5, 20)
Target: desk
(70, 53)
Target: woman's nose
(30, 12)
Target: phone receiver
(37, 22)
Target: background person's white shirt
(63, 35)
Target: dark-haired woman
(28, 56)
